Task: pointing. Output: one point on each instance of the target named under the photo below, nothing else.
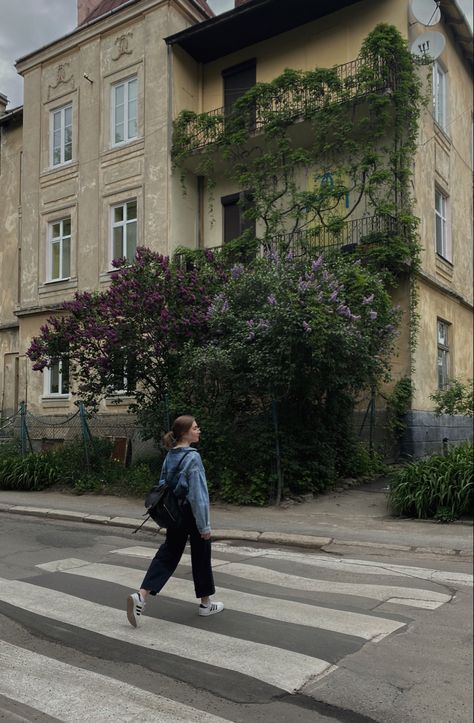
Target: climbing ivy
(363, 120)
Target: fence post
(372, 421)
(277, 452)
(86, 434)
(24, 436)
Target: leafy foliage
(440, 487)
(365, 156)
(458, 398)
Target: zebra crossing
(290, 617)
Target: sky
(26, 25)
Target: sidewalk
(357, 517)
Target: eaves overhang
(250, 23)
(13, 115)
(455, 19)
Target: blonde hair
(180, 426)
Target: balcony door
(234, 221)
(238, 80)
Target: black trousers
(169, 554)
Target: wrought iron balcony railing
(349, 236)
(350, 81)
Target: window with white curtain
(59, 250)
(124, 230)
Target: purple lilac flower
(237, 271)
(372, 315)
(272, 300)
(306, 327)
(303, 286)
(316, 264)
(368, 299)
(334, 295)
(355, 317)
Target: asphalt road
(306, 636)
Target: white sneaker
(211, 609)
(135, 607)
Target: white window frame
(442, 242)
(124, 225)
(47, 383)
(62, 114)
(60, 240)
(442, 353)
(440, 95)
(123, 390)
(126, 115)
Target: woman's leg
(201, 565)
(165, 562)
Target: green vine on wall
(362, 126)
(363, 121)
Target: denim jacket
(191, 483)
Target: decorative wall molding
(62, 78)
(121, 44)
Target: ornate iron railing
(348, 82)
(347, 237)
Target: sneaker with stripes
(211, 609)
(135, 607)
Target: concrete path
(356, 517)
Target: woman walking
(184, 463)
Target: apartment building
(96, 134)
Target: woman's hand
(206, 535)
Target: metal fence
(352, 81)
(40, 433)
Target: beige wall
(444, 160)
(10, 220)
(129, 43)
(434, 305)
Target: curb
(311, 542)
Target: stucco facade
(80, 72)
(10, 232)
(126, 48)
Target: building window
(440, 96)
(234, 219)
(59, 250)
(56, 378)
(124, 230)
(443, 354)
(61, 135)
(123, 374)
(442, 228)
(124, 111)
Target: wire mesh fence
(41, 433)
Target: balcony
(351, 236)
(350, 82)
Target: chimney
(3, 104)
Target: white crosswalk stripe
(59, 689)
(282, 666)
(367, 627)
(341, 564)
(256, 659)
(414, 597)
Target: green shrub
(439, 487)
(30, 472)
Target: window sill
(49, 287)
(66, 167)
(61, 401)
(122, 149)
(119, 400)
(442, 135)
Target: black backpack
(163, 506)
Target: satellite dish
(428, 45)
(427, 12)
